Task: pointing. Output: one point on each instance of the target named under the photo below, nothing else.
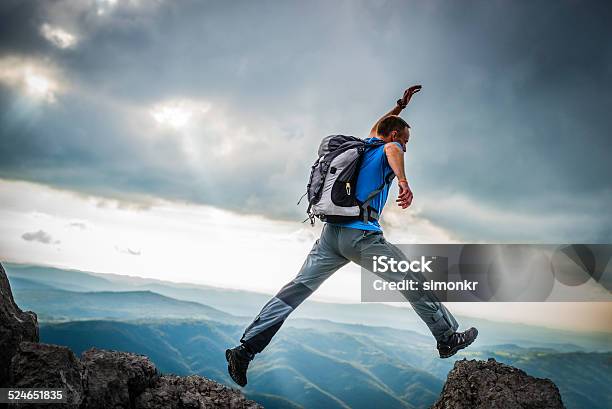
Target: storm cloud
(224, 104)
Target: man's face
(402, 137)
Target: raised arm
(401, 104)
(395, 111)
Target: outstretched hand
(404, 199)
(409, 93)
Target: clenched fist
(404, 100)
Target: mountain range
(328, 355)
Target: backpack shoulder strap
(369, 212)
(375, 142)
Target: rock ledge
(493, 385)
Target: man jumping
(355, 241)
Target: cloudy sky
(145, 137)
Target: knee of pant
(294, 293)
(312, 278)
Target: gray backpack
(333, 177)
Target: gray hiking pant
(334, 249)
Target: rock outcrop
(100, 379)
(177, 392)
(15, 326)
(112, 378)
(48, 366)
(493, 385)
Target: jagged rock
(493, 385)
(102, 378)
(15, 326)
(47, 366)
(114, 379)
(192, 392)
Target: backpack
(333, 178)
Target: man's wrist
(401, 104)
(402, 180)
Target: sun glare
(39, 86)
(36, 85)
(30, 77)
(173, 116)
(177, 114)
(58, 36)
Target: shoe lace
(244, 364)
(241, 362)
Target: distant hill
(56, 304)
(246, 304)
(317, 368)
(72, 280)
(338, 365)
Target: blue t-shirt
(374, 169)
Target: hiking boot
(238, 359)
(457, 341)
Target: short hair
(390, 124)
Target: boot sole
(459, 347)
